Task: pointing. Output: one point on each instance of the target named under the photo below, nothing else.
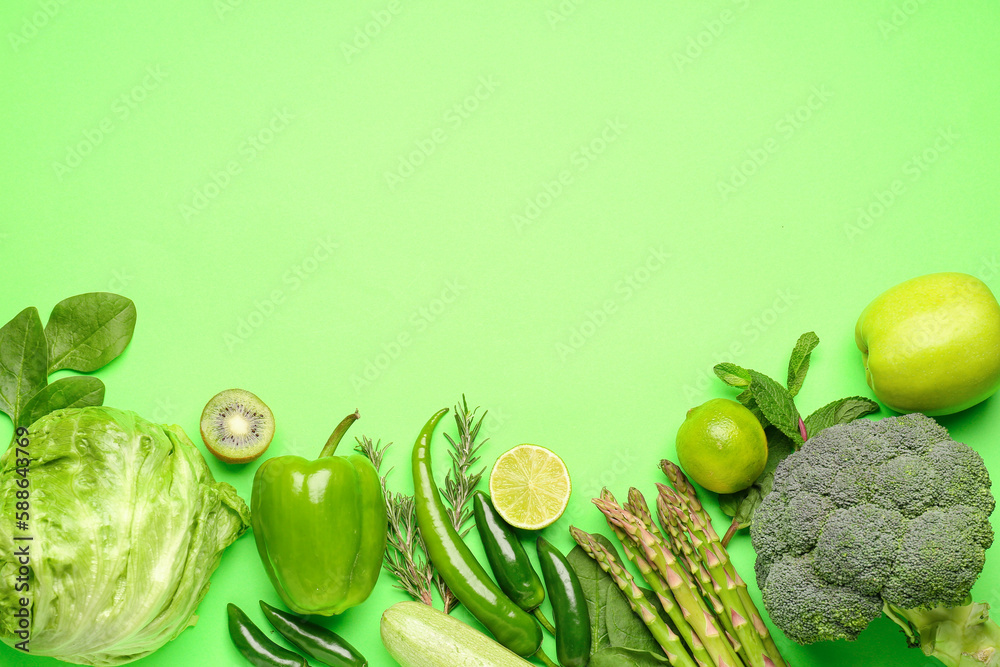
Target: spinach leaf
(71, 392)
(23, 361)
(618, 656)
(625, 628)
(87, 331)
(597, 586)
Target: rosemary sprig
(461, 481)
(405, 556)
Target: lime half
(530, 487)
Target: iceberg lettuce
(126, 523)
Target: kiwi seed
(236, 426)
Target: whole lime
(722, 446)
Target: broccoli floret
(878, 516)
(809, 609)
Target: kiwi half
(236, 426)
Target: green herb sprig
(786, 431)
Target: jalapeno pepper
(314, 640)
(463, 574)
(508, 560)
(255, 646)
(569, 606)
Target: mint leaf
(799, 362)
(841, 411)
(742, 504)
(747, 400)
(776, 404)
(733, 375)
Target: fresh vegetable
(932, 344)
(530, 487)
(255, 646)
(453, 560)
(879, 516)
(417, 635)
(236, 426)
(84, 333)
(405, 557)
(314, 640)
(722, 446)
(569, 606)
(774, 406)
(320, 527)
(126, 526)
(616, 632)
(712, 619)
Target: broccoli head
(879, 516)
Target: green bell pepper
(320, 527)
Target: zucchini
(417, 635)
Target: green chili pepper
(255, 646)
(314, 640)
(508, 560)
(466, 578)
(569, 606)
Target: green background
(569, 211)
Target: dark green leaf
(71, 392)
(597, 585)
(733, 375)
(799, 362)
(742, 504)
(23, 361)
(840, 411)
(625, 628)
(624, 657)
(87, 331)
(747, 400)
(776, 404)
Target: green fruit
(932, 344)
(722, 446)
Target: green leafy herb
(77, 391)
(775, 409)
(461, 481)
(624, 657)
(23, 361)
(87, 331)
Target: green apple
(932, 344)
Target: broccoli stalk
(957, 636)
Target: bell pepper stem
(338, 433)
(544, 622)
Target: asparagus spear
(701, 619)
(684, 497)
(672, 645)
